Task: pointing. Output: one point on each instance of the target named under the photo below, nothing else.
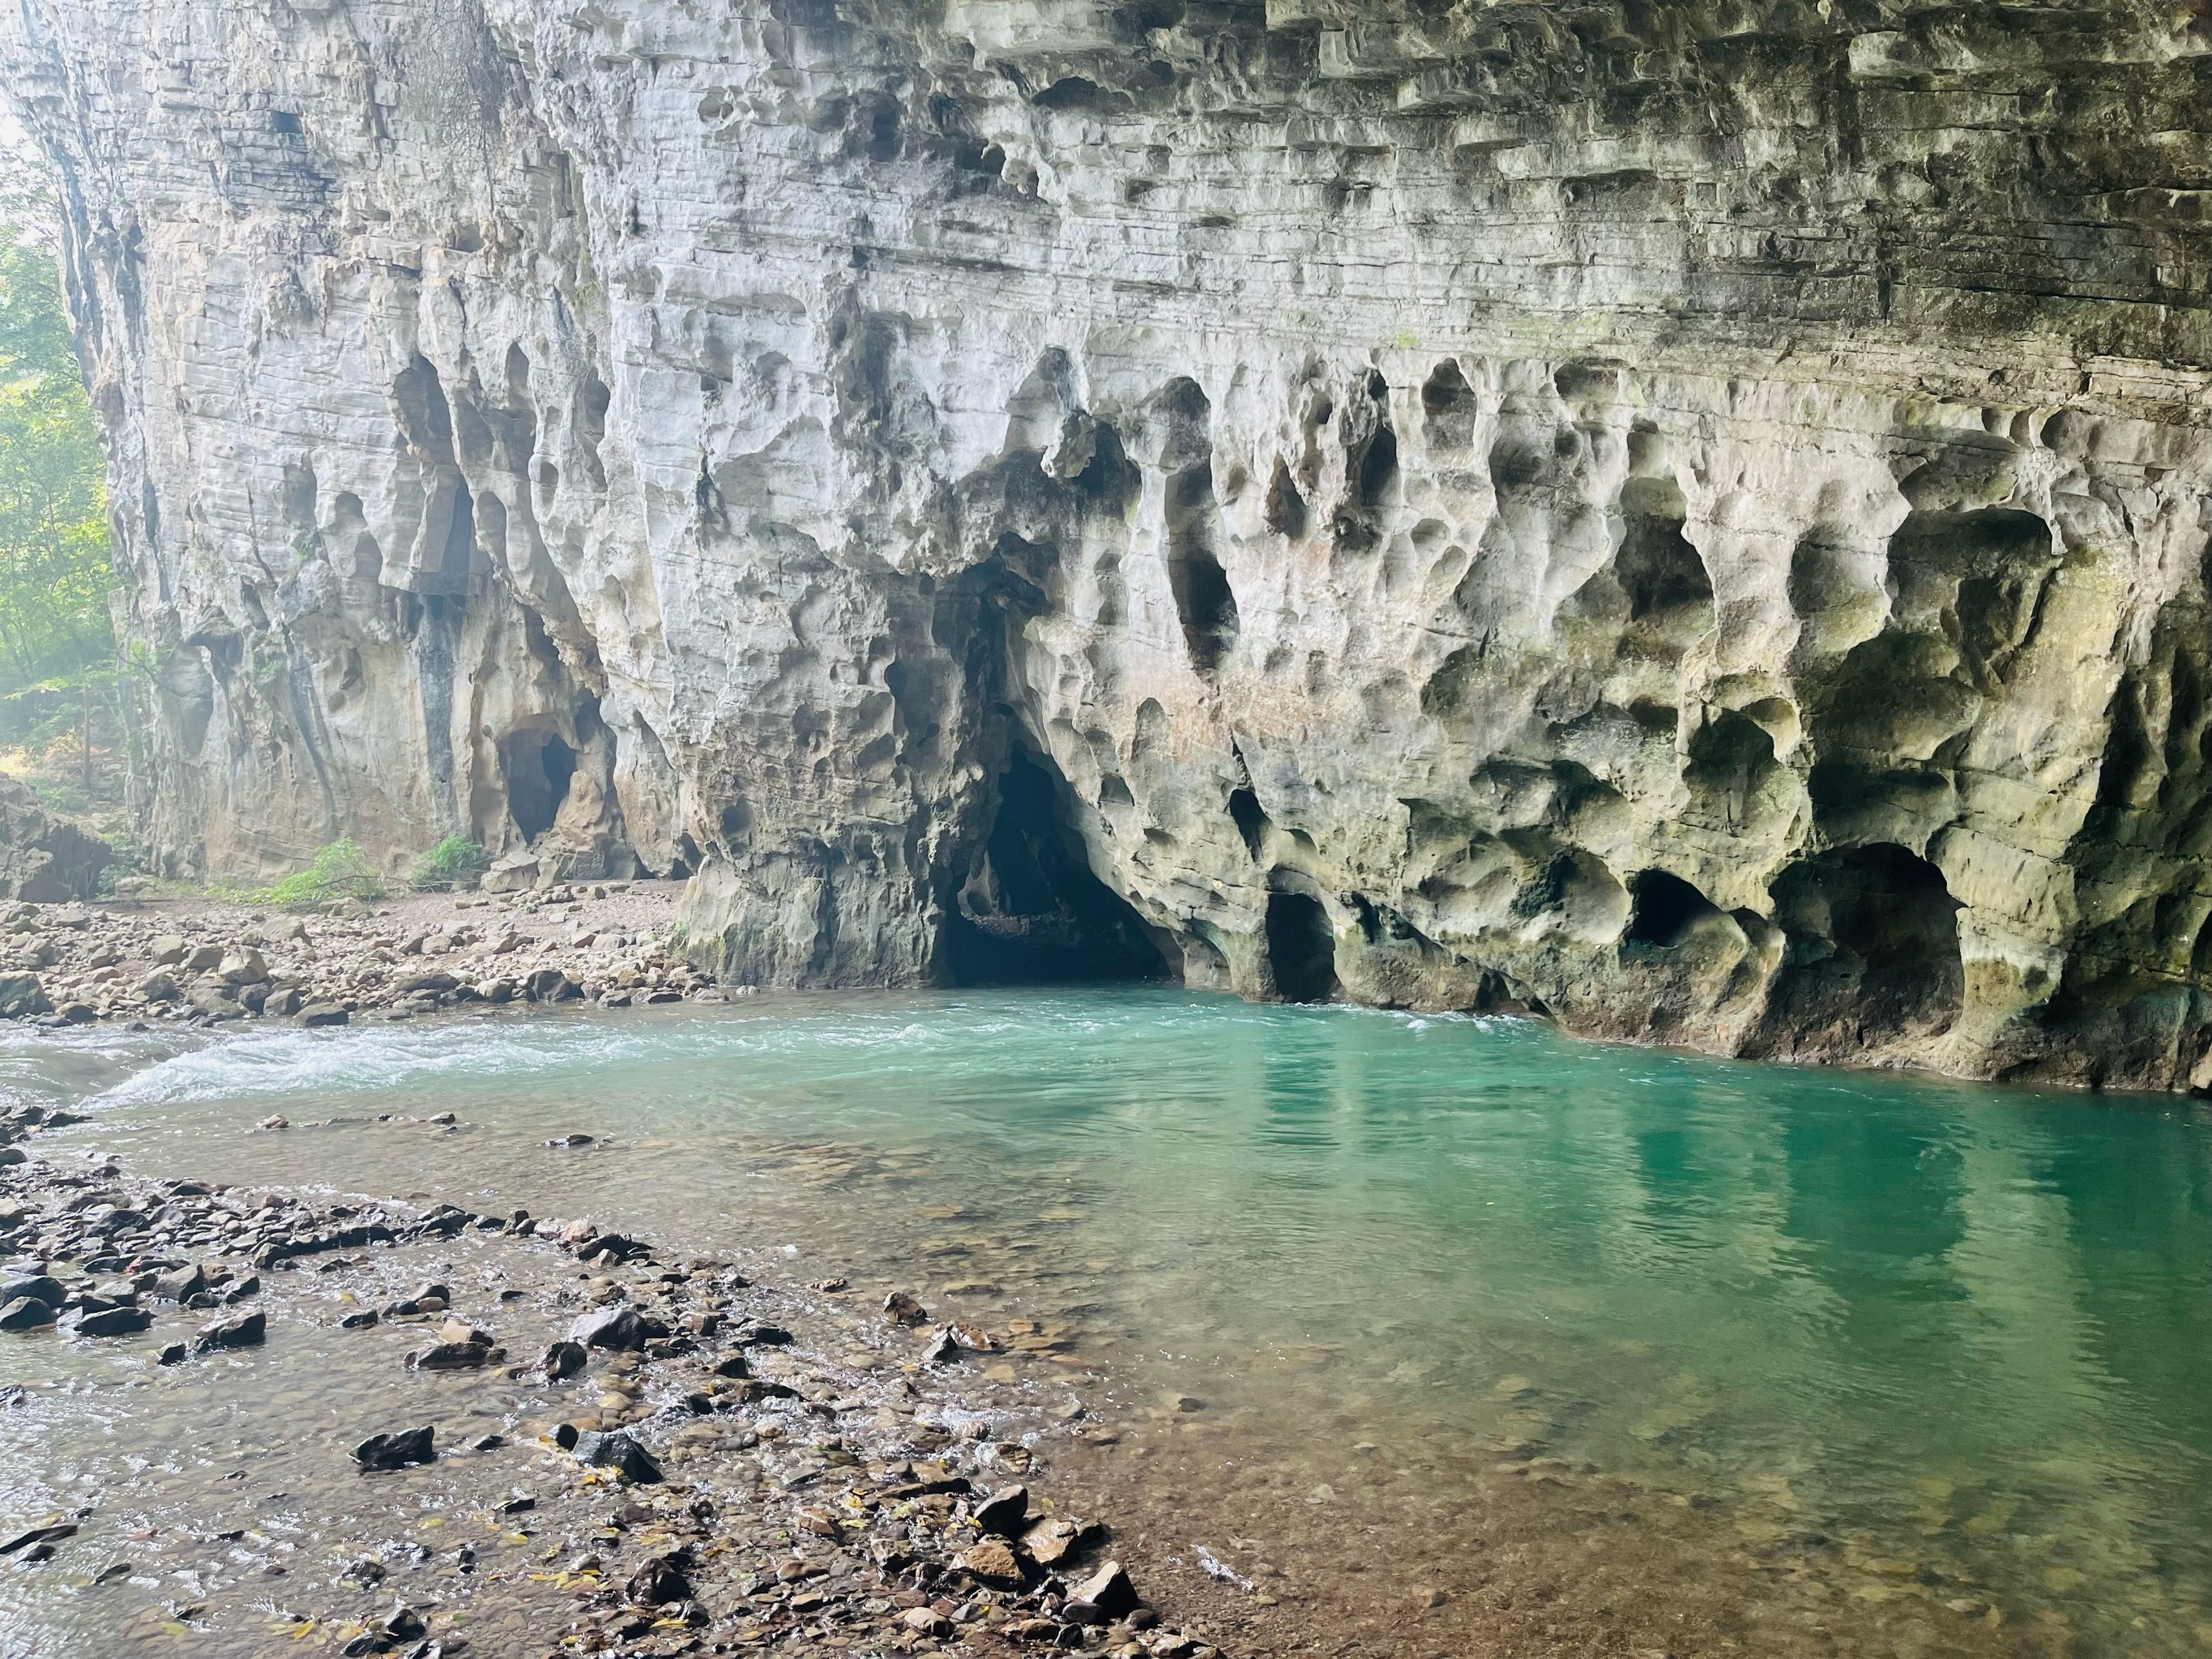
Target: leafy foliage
(339, 871)
(55, 572)
(456, 861)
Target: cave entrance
(1032, 911)
(1873, 931)
(539, 767)
(1663, 908)
(1301, 948)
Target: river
(1913, 1365)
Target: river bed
(1428, 1334)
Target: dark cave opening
(1250, 820)
(1664, 907)
(539, 768)
(1876, 927)
(1301, 948)
(1032, 911)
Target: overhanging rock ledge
(1692, 517)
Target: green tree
(55, 572)
(59, 679)
(53, 525)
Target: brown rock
(1107, 1589)
(1049, 1542)
(993, 1561)
(903, 1309)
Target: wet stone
(1107, 1589)
(620, 1453)
(661, 1580)
(991, 1561)
(181, 1285)
(112, 1321)
(382, 1452)
(245, 1330)
(454, 1357)
(620, 1327)
(903, 1309)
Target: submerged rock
(455, 1356)
(903, 1309)
(382, 1453)
(660, 1580)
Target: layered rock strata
(1692, 517)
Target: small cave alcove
(1663, 908)
(1875, 929)
(539, 767)
(1301, 948)
(1032, 911)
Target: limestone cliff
(1691, 516)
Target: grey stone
(45, 856)
(23, 996)
(618, 1328)
(26, 1313)
(245, 1330)
(112, 1321)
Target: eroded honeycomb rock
(1691, 517)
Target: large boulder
(23, 996)
(512, 874)
(44, 857)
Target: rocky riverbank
(200, 961)
(512, 1435)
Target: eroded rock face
(1692, 517)
(45, 858)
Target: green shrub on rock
(456, 861)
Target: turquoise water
(1947, 1342)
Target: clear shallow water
(1905, 1339)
